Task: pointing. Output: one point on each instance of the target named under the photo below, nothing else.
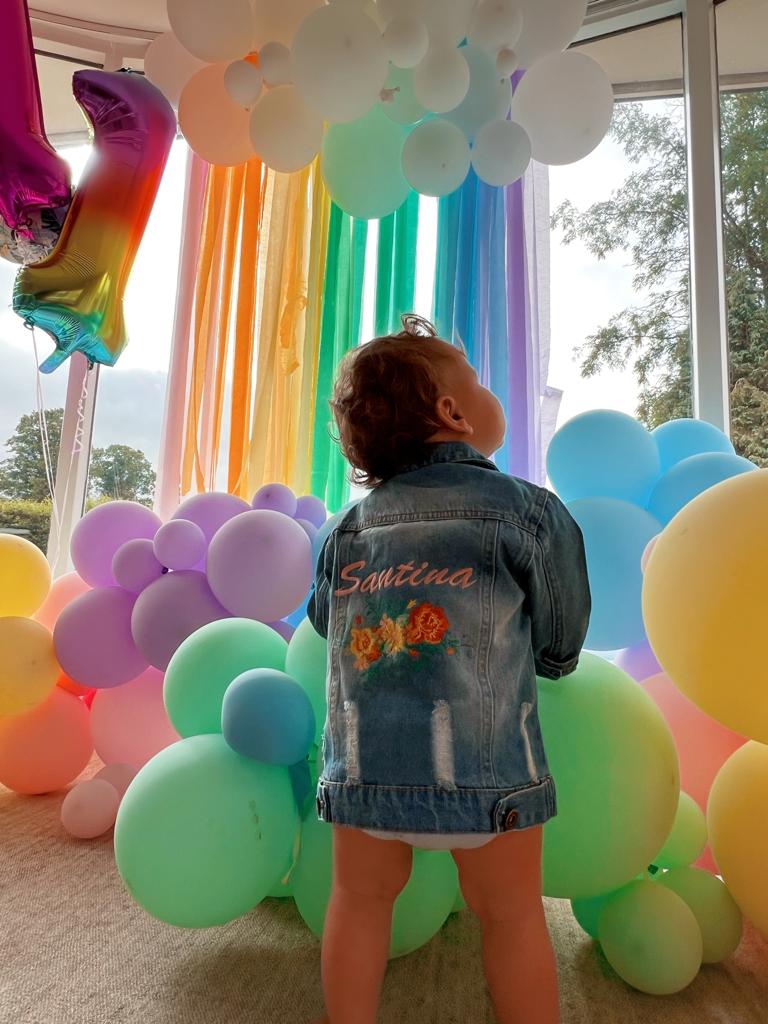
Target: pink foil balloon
(90, 808)
(64, 590)
(44, 749)
(129, 723)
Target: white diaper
(437, 841)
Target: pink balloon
(648, 552)
(46, 748)
(120, 775)
(64, 590)
(93, 639)
(90, 809)
(129, 723)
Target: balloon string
(42, 423)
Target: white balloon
(214, 126)
(406, 41)
(242, 81)
(285, 133)
(548, 27)
(213, 31)
(488, 98)
(496, 24)
(506, 63)
(169, 66)
(388, 10)
(398, 100)
(436, 158)
(447, 20)
(275, 63)
(276, 21)
(339, 62)
(565, 103)
(501, 153)
(441, 81)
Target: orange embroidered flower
(427, 625)
(392, 635)
(365, 647)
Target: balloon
(398, 100)
(70, 686)
(603, 454)
(28, 666)
(267, 715)
(501, 153)
(64, 590)
(447, 20)
(306, 662)
(129, 723)
(119, 775)
(714, 908)
(738, 829)
(212, 32)
(594, 718)
(206, 663)
(362, 165)
(436, 158)
(297, 617)
(703, 745)
(37, 240)
(686, 842)
(406, 41)
(441, 80)
(311, 509)
(335, 47)
(135, 564)
(76, 295)
(99, 535)
(679, 439)
(215, 127)
(285, 133)
(93, 639)
(202, 833)
(496, 24)
(25, 576)
(704, 602)
(169, 66)
(171, 609)
(301, 783)
(327, 529)
(275, 63)
(587, 912)
(278, 21)
(565, 103)
(640, 663)
(488, 98)
(548, 26)
(260, 565)
(243, 81)
(90, 809)
(506, 63)
(615, 535)
(651, 938)
(180, 544)
(210, 511)
(283, 629)
(44, 749)
(691, 477)
(646, 555)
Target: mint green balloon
(306, 662)
(202, 833)
(420, 910)
(713, 907)
(587, 912)
(206, 663)
(686, 842)
(615, 766)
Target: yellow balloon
(738, 829)
(705, 602)
(25, 576)
(28, 666)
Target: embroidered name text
(404, 575)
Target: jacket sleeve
(560, 600)
(319, 606)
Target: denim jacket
(443, 593)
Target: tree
(23, 474)
(122, 472)
(648, 216)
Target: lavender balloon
(102, 531)
(260, 565)
(639, 662)
(135, 566)
(180, 544)
(309, 528)
(93, 639)
(311, 509)
(211, 511)
(283, 629)
(171, 609)
(276, 498)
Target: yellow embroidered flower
(392, 635)
(365, 647)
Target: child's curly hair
(384, 401)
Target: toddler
(443, 593)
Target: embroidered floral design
(365, 647)
(421, 629)
(427, 625)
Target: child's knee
(383, 880)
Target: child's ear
(451, 417)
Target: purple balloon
(283, 629)
(260, 565)
(276, 498)
(211, 511)
(102, 531)
(311, 509)
(308, 528)
(639, 662)
(93, 639)
(171, 609)
(135, 566)
(180, 544)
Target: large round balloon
(266, 715)
(691, 477)
(614, 763)
(129, 723)
(488, 97)
(502, 152)
(210, 511)
(207, 662)
(212, 32)
(615, 535)
(25, 576)
(285, 133)
(738, 829)
(28, 666)
(679, 439)
(603, 454)
(399, 101)
(306, 662)
(169, 66)
(548, 27)
(436, 158)
(202, 834)
(686, 842)
(102, 532)
(704, 602)
(496, 24)
(215, 127)
(93, 639)
(44, 749)
(63, 592)
(277, 22)
(441, 80)
(714, 908)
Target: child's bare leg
(501, 883)
(368, 875)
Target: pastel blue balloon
(690, 478)
(603, 454)
(615, 535)
(267, 716)
(679, 439)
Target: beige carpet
(75, 949)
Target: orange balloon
(47, 747)
(65, 589)
(69, 684)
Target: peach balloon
(47, 747)
(130, 723)
(90, 809)
(120, 775)
(69, 684)
(215, 127)
(65, 589)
